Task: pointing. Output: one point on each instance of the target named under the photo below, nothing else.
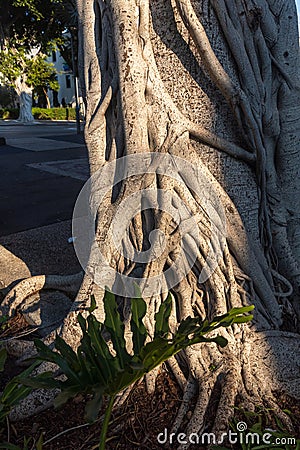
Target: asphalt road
(42, 170)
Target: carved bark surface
(217, 84)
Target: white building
(66, 94)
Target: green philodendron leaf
(98, 343)
(137, 290)
(3, 356)
(242, 310)
(139, 332)
(91, 369)
(152, 346)
(243, 319)
(219, 340)
(66, 394)
(67, 353)
(44, 380)
(46, 354)
(14, 392)
(136, 365)
(162, 317)
(8, 446)
(232, 314)
(124, 379)
(93, 406)
(93, 304)
(115, 327)
(82, 322)
(189, 325)
(153, 353)
(103, 365)
(104, 359)
(85, 372)
(39, 444)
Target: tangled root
(220, 375)
(32, 285)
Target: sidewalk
(43, 250)
(35, 122)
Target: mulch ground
(135, 425)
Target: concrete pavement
(43, 167)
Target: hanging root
(39, 400)
(30, 286)
(217, 391)
(23, 349)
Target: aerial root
(32, 285)
(189, 392)
(38, 400)
(201, 380)
(206, 386)
(284, 418)
(218, 380)
(150, 380)
(230, 387)
(177, 372)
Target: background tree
(67, 43)
(43, 77)
(26, 28)
(7, 96)
(217, 84)
(25, 73)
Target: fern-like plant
(93, 369)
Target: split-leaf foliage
(102, 366)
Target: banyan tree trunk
(192, 129)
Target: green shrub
(41, 113)
(54, 113)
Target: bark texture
(217, 84)
(25, 99)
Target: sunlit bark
(25, 100)
(215, 83)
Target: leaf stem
(106, 422)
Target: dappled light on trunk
(211, 83)
(25, 100)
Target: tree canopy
(35, 22)
(35, 68)
(29, 29)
